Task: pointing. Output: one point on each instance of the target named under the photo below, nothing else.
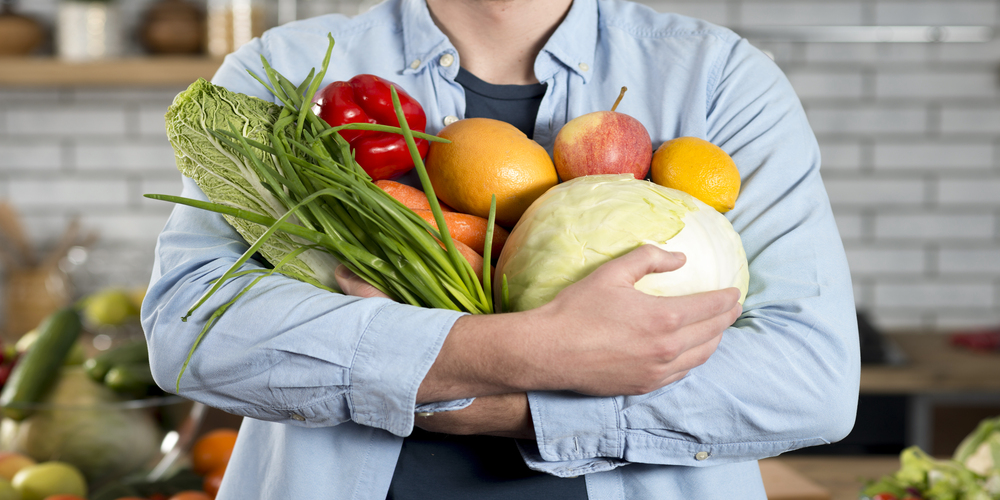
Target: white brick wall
(910, 136)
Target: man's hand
(352, 284)
(599, 336)
(504, 415)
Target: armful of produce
(287, 182)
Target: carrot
(413, 198)
(469, 229)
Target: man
(612, 393)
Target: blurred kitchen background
(904, 97)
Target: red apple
(602, 142)
(12, 462)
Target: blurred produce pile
(973, 472)
(88, 422)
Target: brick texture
(910, 136)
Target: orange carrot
(470, 229)
(413, 198)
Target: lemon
(38, 481)
(700, 169)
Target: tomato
(129, 498)
(884, 496)
(212, 450)
(157, 496)
(213, 480)
(191, 495)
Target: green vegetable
(131, 352)
(134, 379)
(289, 184)
(980, 450)
(578, 225)
(935, 479)
(88, 425)
(38, 368)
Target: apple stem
(620, 95)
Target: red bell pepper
(367, 99)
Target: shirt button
(584, 67)
(448, 120)
(300, 418)
(701, 455)
(415, 64)
(446, 60)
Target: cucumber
(134, 379)
(131, 352)
(39, 366)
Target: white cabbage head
(578, 225)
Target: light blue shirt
(329, 382)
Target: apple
(602, 142)
(11, 462)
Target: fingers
(647, 259)
(352, 284)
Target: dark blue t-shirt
(446, 467)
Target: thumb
(647, 259)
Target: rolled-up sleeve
(786, 374)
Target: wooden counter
(160, 71)
(933, 366)
(822, 478)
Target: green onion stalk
(331, 205)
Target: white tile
(128, 226)
(66, 120)
(928, 226)
(897, 320)
(972, 120)
(827, 84)
(866, 191)
(866, 53)
(803, 12)
(42, 230)
(929, 84)
(864, 120)
(840, 156)
(934, 296)
(976, 261)
(712, 11)
(936, 12)
(967, 320)
(850, 224)
(33, 155)
(981, 52)
(151, 121)
(155, 156)
(972, 191)
(171, 186)
(866, 260)
(936, 155)
(161, 97)
(68, 192)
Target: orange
(700, 169)
(212, 450)
(191, 495)
(213, 480)
(487, 157)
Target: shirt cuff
(393, 356)
(570, 426)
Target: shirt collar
(422, 40)
(573, 43)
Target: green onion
(330, 204)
